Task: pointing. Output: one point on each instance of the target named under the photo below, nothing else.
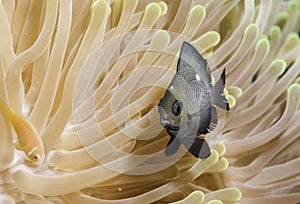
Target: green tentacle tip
(98, 2)
(153, 9)
(164, 7)
(198, 9)
(291, 41)
(198, 12)
(263, 44)
(278, 66)
(294, 90)
(223, 164)
(220, 148)
(215, 201)
(228, 194)
(235, 91)
(161, 38)
(237, 194)
(196, 197)
(208, 40)
(231, 100)
(220, 166)
(293, 7)
(213, 37)
(99, 6)
(233, 194)
(252, 29)
(216, 36)
(275, 30)
(231, 93)
(213, 157)
(281, 19)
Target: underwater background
(88, 75)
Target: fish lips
(165, 121)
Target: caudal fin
(6, 111)
(217, 93)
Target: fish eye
(36, 157)
(177, 108)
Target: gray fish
(187, 110)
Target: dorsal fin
(191, 56)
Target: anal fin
(200, 148)
(197, 146)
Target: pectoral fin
(172, 133)
(172, 146)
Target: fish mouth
(165, 121)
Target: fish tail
(217, 93)
(2, 106)
(5, 110)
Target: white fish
(29, 140)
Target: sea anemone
(88, 76)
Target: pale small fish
(187, 110)
(29, 141)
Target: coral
(88, 76)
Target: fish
(188, 108)
(28, 139)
